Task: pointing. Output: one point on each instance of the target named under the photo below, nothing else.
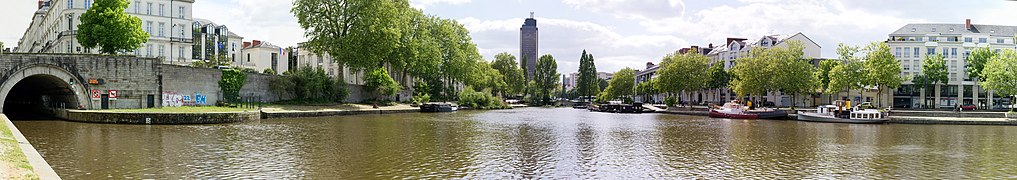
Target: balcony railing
(183, 40)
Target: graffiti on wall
(173, 99)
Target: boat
(732, 112)
(858, 115)
(439, 107)
(619, 108)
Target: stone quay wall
(157, 118)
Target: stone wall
(183, 85)
(133, 78)
(157, 118)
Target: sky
(619, 33)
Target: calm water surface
(524, 143)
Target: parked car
(968, 107)
(865, 105)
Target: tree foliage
(485, 77)
(977, 60)
(719, 77)
(545, 80)
(620, 86)
(379, 81)
(683, 72)
(1000, 73)
(882, 69)
(107, 26)
(231, 82)
(934, 72)
(848, 74)
(823, 74)
(587, 84)
(360, 33)
(511, 73)
(309, 85)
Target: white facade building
(54, 28)
(260, 56)
(913, 42)
(735, 48)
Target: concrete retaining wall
(182, 85)
(949, 114)
(157, 118)
(278, 115)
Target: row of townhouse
(174, 35)
(910, 44)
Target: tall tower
(528, 46)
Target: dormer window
(951, 29)
(914, 29)
(933, 29)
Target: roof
(264, 45)
(922, 29)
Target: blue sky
(620, 33)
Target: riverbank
(297, 111)
(902, 116)
(18, 158)
(157, 116)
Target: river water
(524, 143)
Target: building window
(931, 51)
(137, 5)
(180, 51)
(967, 53)
(161, 7)
(916, 52)
(88, 4)
(162, 27)
(907, 52)
(983, 40)
(1000, 40)
(148, 52)
(921, 38)
(149, 10)
(161, 50)
(897, 53)
(70, 4)
(181, 13)
(933, 29)
(248, 57)
(148, 27)
(953, 52)
(967, 39)
(70, 23)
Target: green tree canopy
(545, 80)
(1000, 73)
(822, 74)
(379, 81)
(719, 78)
(882, 69)
(106, 25)
(977, 60)
(360, 33)
(513, 75)
(683, 72)
(793, 74)
(587, 84)
(621, 85)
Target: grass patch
(13, 157)
(184, 109)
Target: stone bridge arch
(25, 88)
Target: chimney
(255, 43)
(711, 45)
(40, 4)
(649, 65)
(247, 44)
(967, 24)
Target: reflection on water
(524, 143)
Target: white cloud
(566, 39)
(638, 9)
(424, 3)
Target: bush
(380, 82)
(268, 71)
(421, 98)
(230, 84)
(480, 100)
(311, 86)
(670, 101)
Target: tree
(681, 73)
(823, 75)
(792, 73)
(882, 69)
(106, 25)
(587, 83)
(848, 74)
(646, 88)
(379, 81)
(977, 60)
(934, 72)
(360, 33)
(512, 74)
(620, 86)
(545, 80)
(752, 74)
(484, 77)
(1000, 74)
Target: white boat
(831, 113)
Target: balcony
(183, 40)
